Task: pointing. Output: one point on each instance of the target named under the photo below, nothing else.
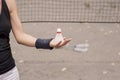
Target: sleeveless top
(6, 59)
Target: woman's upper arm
(17, 29)
(15, 21)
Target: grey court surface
(100, 62)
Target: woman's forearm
(26, 39)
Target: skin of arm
(20, 36)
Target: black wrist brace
(43, 44)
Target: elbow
(19, 39)
(19, 42)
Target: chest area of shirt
(0, 7)
(5, 25)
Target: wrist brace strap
(43, 44)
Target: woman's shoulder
(11, 4)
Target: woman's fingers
(60, 44)
(65, 41)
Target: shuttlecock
(59, 36)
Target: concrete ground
(100, 62)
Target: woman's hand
(59, 44)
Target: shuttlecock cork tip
(59, 30)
